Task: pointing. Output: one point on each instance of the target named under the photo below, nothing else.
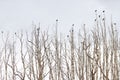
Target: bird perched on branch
(95, 10)
(2, 32)
(38, 28)
(56, 20)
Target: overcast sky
(19, 14)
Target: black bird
(56, 20)
(38, 28)
(99, 16)
(2, 32)
(95, 19)
(95, 10)
(67, 35)
(103, 19)
(103, 11)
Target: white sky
(19, 14)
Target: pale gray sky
(19, 14)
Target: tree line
(82, 55)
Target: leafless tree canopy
(84, 55)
